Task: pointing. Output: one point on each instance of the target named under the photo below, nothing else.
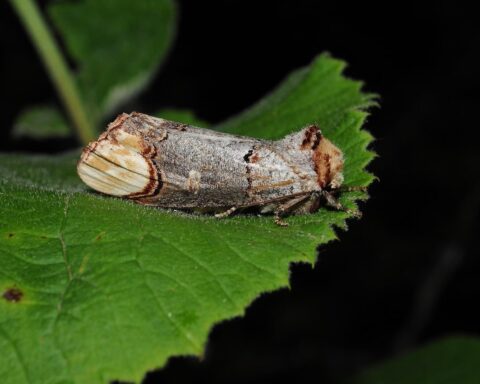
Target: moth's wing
(275, 172)
(196, 167)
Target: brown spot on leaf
(10, 235)
(13, 295)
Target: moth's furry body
(172, 165)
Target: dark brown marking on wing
(155, 182)
(118, 122)
(246, 158)
(248, 171)
(312, 138)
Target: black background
(404, 275)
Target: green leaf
(41, 122)
(452, 360)
(116, 44)
(98, 288)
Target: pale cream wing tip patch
(101, 182)
(117, 170)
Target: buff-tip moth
(162, 163)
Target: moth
(162, 163)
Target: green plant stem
(56, 66)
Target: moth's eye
(116, 169)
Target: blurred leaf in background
(451, 360)
(40, 122)
(116, 47)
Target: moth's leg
(285, 208)
(226, 213)
(279, 221)
(335, 204)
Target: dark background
(404, 275)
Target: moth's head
(328, 164)
(119, 163)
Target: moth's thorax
(325, 157)
(119, 164)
